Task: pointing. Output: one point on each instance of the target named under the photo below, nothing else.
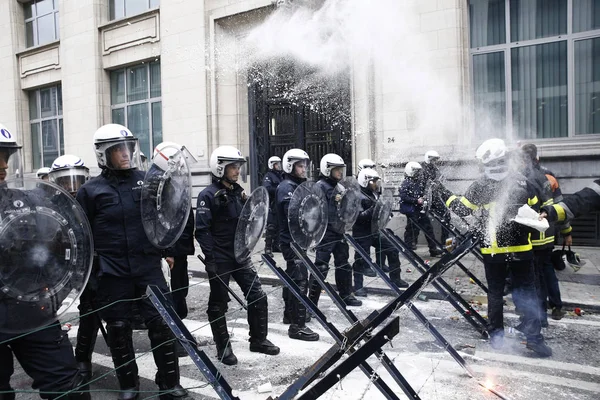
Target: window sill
(39, 48)
(125, 20)
(581, 145)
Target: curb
(430, 294)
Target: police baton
(230, 290)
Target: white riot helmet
(222, 157)
(367, 175)
(492, 154)
(293, 156)
(69, 172)
(331, 161)
(365, 163)
(272, 161)
(42, 172)
(116, 148)
(412, 168)
(431, 156)
(167, 154)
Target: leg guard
(123, 355)
(218, 326)
(167, 362)
(314, 288)
(258, 321)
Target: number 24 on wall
(391, 140)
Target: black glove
(221, 198)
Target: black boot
(166, 360)
(302, 333)
(123, 355)
(258, 321)
(218, 326)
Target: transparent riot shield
(382, 211)
(346, 198)
(251, 224)
(46, 253)
(166, 196)
(307, 215)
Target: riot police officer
(69, 172)
(411, 205)
(217, 213)
(127, 261)
(333, 170)
(379, 256)
(362, 232)
(46, 354)
(431, 174)
(295, 163)
(272, 179)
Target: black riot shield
(382, 212)
(307, 215)
(166, 196)
(251, 224)
(346, 199)
(46, 252)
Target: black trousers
(382, 246)
(411, 234)
(46, 356)
(180, 282)
(335, 244)
(246, 277)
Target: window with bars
(136, 102)
(536, 67)
(41, 22)
(46, 122)
(127, 8)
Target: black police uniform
(127, 264)
(180, 281)
(217, 213)
(332, 242)
(294, 311)
(46, 355)
(271, 180)
(505, 245)
(364, 235)
(410, 191)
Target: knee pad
(257, 299)
(216, 310)
(158, 331)
(323, 268)
(118, 332)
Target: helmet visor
(121, 155)
(301, 168)
(70, 179)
